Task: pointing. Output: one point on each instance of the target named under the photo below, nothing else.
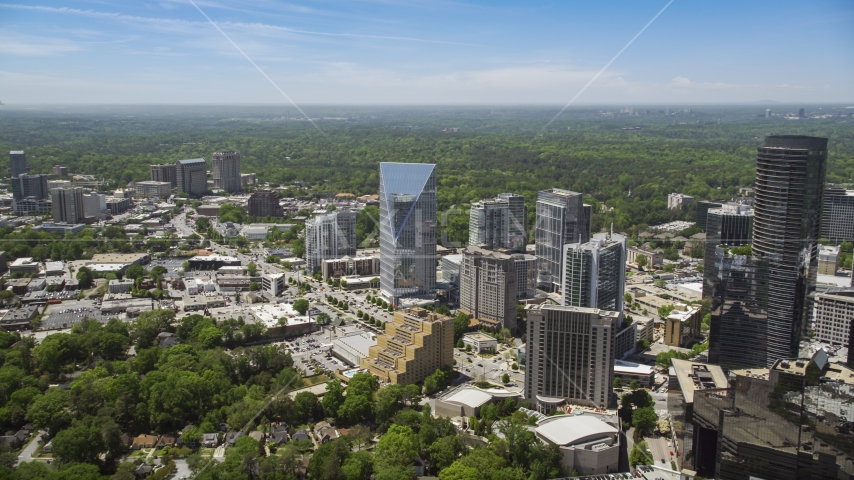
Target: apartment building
(488, 286)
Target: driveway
(28, 451)
(182, 470)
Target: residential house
(144, 441)
(169, 440)
(325, 432)
(210, 440)
(301, 435)
(257, 435)
(143, 470)
(279, 433)
(231, 436)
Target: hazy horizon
(378, 52)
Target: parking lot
(68, 317)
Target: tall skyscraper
(518, 235)
(703, 207)
(561, 219)
(17, 163)
(191, 176)
(500, 222)
(264, 203)
(489, 224)
(68, 205)
(226, 171)
(488, 286)
(594, 273)
(761, 296)
(24, 186)
(837, 215)
(164, 173)
(329, 236)
(570, 356)
(731, 224)
(407, 230)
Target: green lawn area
(315, 380)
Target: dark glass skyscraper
(760, 301)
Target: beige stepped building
(415, 344)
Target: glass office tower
(407, 230)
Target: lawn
(315, 380)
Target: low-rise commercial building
(590, 443)
(467, 401)
(203, 302)
(61, 228)
(631, 371)
(19, 318)
(274, 283)
(281, 319)
(480, 342)
(354, 347)
(24, 265)
(151, 189)
(828, 259)
(348, 266)
(120, 286)
(212, 262)
(653, 258)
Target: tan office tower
(226, 171)
(488, 286)
(415, 344)
(570, 356)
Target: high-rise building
(594, 273)
(488, 286)
(17, 163)
(499, 222)
(562, 218)
(153, 189)
(703, 207)
(833, 311)
(526, 275)
(837, 215)
(265, 203)
(415, 344)
(60, 170)
(570, 356)
(24, 186)
(191, 176)
(226, 171)
(407, 230)
(761, 299)
(68, 205)
(329, 236)
(518, 235)
(730, 224)
(165, 173)
(95, 205)
(489, 224)
(678, 200)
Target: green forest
(705, 151)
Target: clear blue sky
(430, 52)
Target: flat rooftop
(480, 337)
(632, 368)
(697, 376)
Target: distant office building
(165, 173)
(594, 273)
(191, 176)
(415, 344)
(407, 230)
(265, 203)
(25, 186)
(767, 113)
(562, 218)
(450, 266)
(226, 171)
(248, 179)
(31, 206)
(832, 314)
(570, 356)
(760, 302)
(68, 205)
(678, 200)
(703, 207)
(731, 225)
(500, 222)
(153, 189)
(828, 259)
(488, 287)
(117, 206)
(17, 163)
(801, 113)
(837, 215)
(60, 170)
(94, 205)
(328, 236)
